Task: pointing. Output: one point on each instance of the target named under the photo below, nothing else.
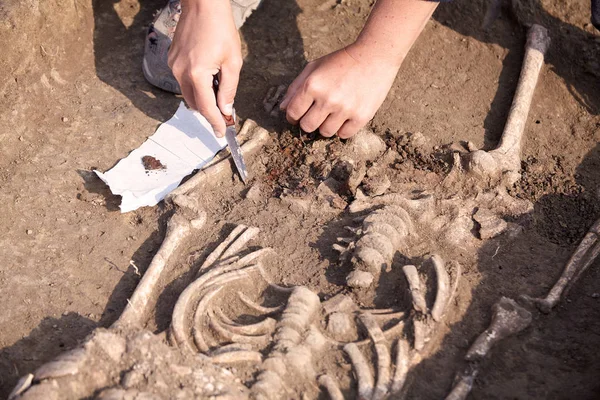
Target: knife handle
(229, 119)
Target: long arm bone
(463, 386)
(509, 318)
(178, 228)
(222, 168)
(506, 158)
(587, 251)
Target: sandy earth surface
(73, 99)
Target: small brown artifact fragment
(152, 164)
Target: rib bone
(414, 284)
(362, 371)
(383, 355)
(443, 288)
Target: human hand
(206, 43)
(339, 93)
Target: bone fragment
(359, 279)
(380, 243)
(67, 363)
(287, 352)
(420, 334)
(240, 242)
(384, 359)
(390, 333)
(178, 228)
(228, 348)
(225, 333)
(219, 275)
(402, 364)
(340, 325)
(463, 387)
(361, 370)
(218, 252)
(331, 386)
(506, 158)
(21, 386)
(295, 319)
(273, 98)
(369, 259)
(388, 316)
(509, 318)
(443, 288)
(414, 285)
(339, 303)
(264, 327)
(180, 337)
(222, 169)
(587, 251)
(240, 356)
(257, 307)
(490, 224)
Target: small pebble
(29, 231)
(65, 119)
(595, 295)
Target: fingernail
(283, 103)
(228, 109)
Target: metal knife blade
(231, 136)
(236, 151)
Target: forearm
(391, 30)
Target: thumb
(228, 83)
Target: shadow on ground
(272, 56)
(554, 357)
(574, 54)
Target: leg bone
(585, 254)
(509, 318)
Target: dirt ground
(73, 99)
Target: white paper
(182, 144)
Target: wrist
(368, 51)
(206, 5)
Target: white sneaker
(160, 35)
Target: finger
(188, 96)
(298, 106)
(349, 129)
(207, 104)
(293, 88)
(289, 94)
(332, 124)
(313, 118)
(228, 83)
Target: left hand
(338, 93)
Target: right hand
(205, 44)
